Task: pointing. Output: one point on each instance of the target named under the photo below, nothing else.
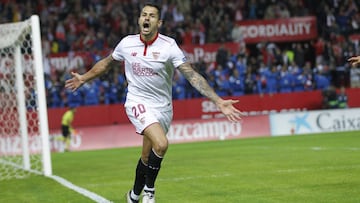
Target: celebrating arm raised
(98, 69)
(200, 84)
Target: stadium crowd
(263, 68)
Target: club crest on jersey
(133, 54)
(156, 55)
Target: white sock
(134, 196)
(149, 189)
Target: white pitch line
(194, 177)
(66, 183)
(91, 195)
(295, 170)
(335, 148)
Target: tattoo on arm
(198, 82)
(99, 68)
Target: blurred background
(247, 47)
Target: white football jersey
(149, 78)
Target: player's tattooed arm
(198, 82)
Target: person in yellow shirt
(66, 126)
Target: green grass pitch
(306, 168)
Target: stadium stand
(263, 68)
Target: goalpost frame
(39, 74)
(22, 109)
(24, 129)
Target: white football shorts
(142, 115)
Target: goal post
(24, 132)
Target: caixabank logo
(346, 121)
(315, 121)
(299, 122)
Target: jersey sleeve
(117, 54)
(177, 55)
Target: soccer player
(66, 126)
(355, 60)
(148, 102)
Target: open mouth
(146, 26)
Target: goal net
(24, 133)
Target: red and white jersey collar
(149, 42)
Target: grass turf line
(304, 168)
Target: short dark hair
(156, 4)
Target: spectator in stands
(300, 80)
(271, 12)
(319, 45)
(202, 67)
(354, 77)
(178, 86)
(250, 83)
(283, 10)
(114, 91)
(76, 26)
(252, 9)
(221, 71)
(212, 81)
(286, 81)
(355, 23)
(123, 82)
(342, 98)
(308, 74)
(105, 90)
(91, 93)
(343, 20)
(272, 79)
(222, 56)
(354, 71)
(198, 33)
(266, 49)
(186, 35)
(236, 83)
(240, 65)
(301, 8)
(279, 56)
(74, 98)
(54, 94)
(330, 99)
(321, 81)
(223, 86)
(299, 54)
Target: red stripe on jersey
(145, 49)
(148, 43)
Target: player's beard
(148, 33)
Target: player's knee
(145, 158)
(161, 147)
